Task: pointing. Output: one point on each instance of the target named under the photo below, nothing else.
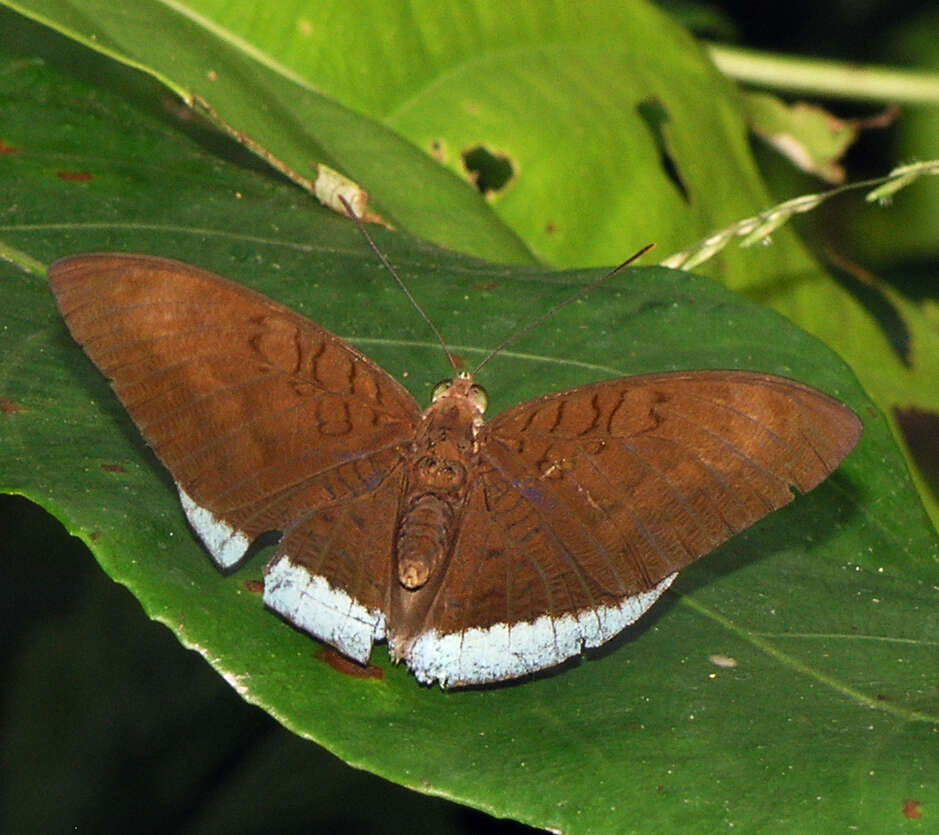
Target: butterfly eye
(479, 398)
(440, 390)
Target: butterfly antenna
(516, 335)
(394, 274)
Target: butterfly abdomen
(423, 538)
(443, 456)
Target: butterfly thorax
(439, 468)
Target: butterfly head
(463, 393)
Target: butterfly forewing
(259, 414)
(663, 468)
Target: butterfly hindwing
(332, 571)
(527, 586)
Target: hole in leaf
(489, 172)
(656, 117)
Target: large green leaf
(828, 606)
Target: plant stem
(832, 79)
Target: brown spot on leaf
(75, 176)
(438, 150)
(254, 586)
(912, 809)
(8, 149)
(113, 468)
(11, 407)
(347, 666)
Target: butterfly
(480, 551)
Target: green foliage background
(829, 606)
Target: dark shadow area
(109, 725)
(921, 432)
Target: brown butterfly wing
(263, 418)
(589, 501)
